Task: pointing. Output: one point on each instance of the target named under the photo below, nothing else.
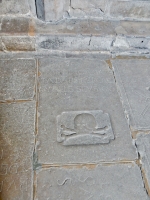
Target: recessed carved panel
(84, 127)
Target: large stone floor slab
(16, 150)
(143, 146)
(133, 81)
(104, 182)
(81, 118)
(17, 79)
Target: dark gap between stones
(40, 12)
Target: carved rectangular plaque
(80, 88)
(84, 127)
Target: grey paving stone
(133, 81)
(143, 147)
(122, 181)
(88, 87)
(14, 7)
(17, 79)
(16, 150)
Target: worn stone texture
(105, 182)
(87, 8)
(128, 43)
(18, 43)
(55, 9)
(74, 43)
(94, 27)
(143, 147)
(14, 25)
(17, 79)
(16, 150)
(76, 26)
(1, 44)
(14, 7)
(79, 85)
(130, 9)
(132, 77)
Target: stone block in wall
(55, 9)
(14, 25)
(17, 79)
(14, 7)
(74, 43)
(132, 78)
(94, 27)
(87, 8)
(18, 43)
(130, 9)
(1, 44)
(16, 150)
(134, 28)
(96, 182)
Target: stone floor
(74, 127)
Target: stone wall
(74, 99)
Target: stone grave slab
(17, 79)
(16, 150)
(133, 81)
(122, 181)
(143, 146)
(81, 118)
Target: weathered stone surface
(130, 9)
(143, 147)
(105, 182)
(133, 81)
(14, 7)
(95, 27)
(14, 25)
(87, 8)
(128, 43)
(120, 42)
(76, 26)
(1, 44)
(17, 79)
(69, 85)
(19, 43)
(55, 9)
(139, 42)
(74, 42)
(16, 150)
(134, 28)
